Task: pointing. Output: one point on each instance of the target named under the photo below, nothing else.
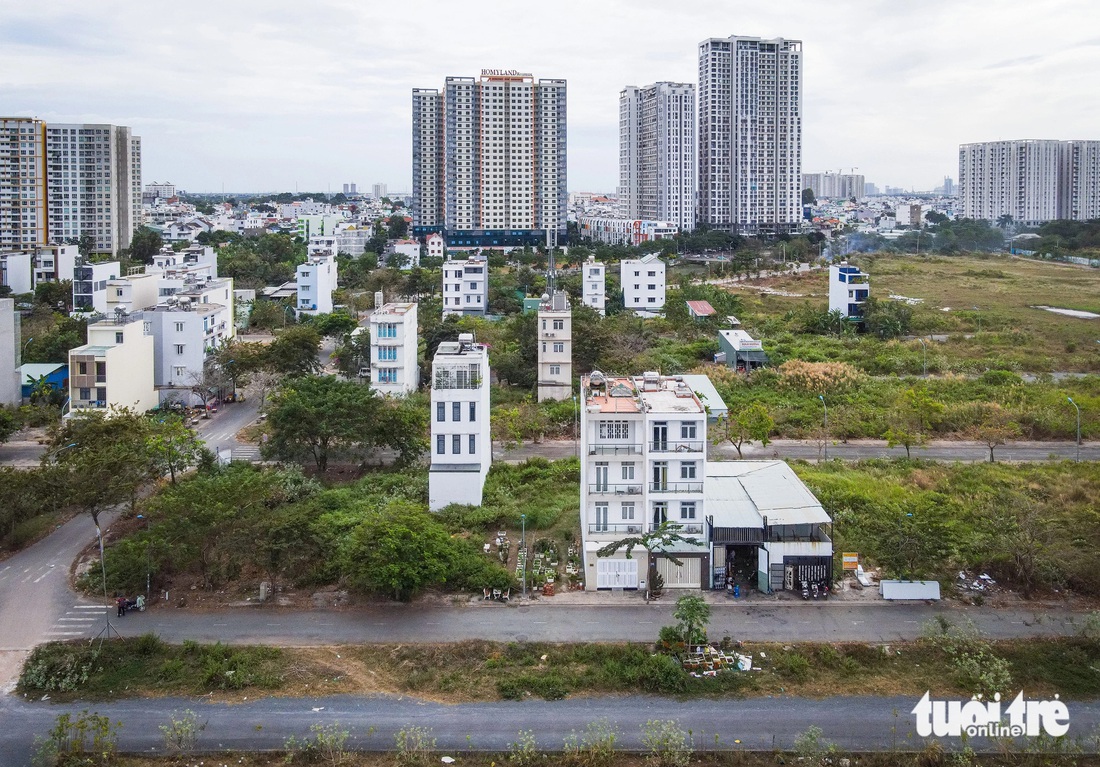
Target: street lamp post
(25, 345)
(924, 348)
(822, 398)
(523, 548)
(1077, 455)
(285, 310)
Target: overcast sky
(315, 94)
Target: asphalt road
(219, 432)
(853, 723)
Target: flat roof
(707, 394)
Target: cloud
(260, 96)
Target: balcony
(678, 446)
(614, 449)
(676, 487)
(683, 527)
(630, 528)
(606, 489)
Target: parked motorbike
(814, 590)
(805, 590)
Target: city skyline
(231, 96)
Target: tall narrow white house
(643, 284)
(750, 134)
(594, 285)
(848, 290)
(9, 353)
(555, 347)
(316, 280)
(643, 460)
(466, 287)
(115, 367)
(461, 445)
(657, 153)
(395, 368)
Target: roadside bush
(661, 673)
(57, 668)
(817, 377)
(793, 665)
(667, 743)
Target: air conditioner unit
(633, 529)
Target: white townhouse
(461, 447)
(395, 368)
(466, 287)
(643, 284)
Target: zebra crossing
(80, 620)
(249, 453)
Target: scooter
(814, 590)
(805, 590)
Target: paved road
(544, 621)
(220, 431)
(865, 723)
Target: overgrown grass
(481, 670)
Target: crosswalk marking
(88, 607)
(78, 620)
(55, 633)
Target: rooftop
(701, 308)
(398, 308)
(744, 493)
(632, 394)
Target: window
(614, 430)
(628, 510)
(179, 372)
(440, 444)
(456, 411)
(441, 411)
(628, 471)
(473, 412)
(473, 444)
(555, 370)
(118, 338)
(179, 327)
(387, 353)
(179, 348)
(559, 347)
(687, 510)
(559, 324)
(689, 430)
(82, 369)
(85, 394)
(687, 470)
(456, 444)
(601, 517)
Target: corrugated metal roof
(741, 493)
(701, 308)
(708, 395)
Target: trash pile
(707, 660)
(982, 584)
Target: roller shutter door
(685, 576)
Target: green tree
(294, 351)
(808, 197)
(319, 415)
(692, 613)
(145, 244)
(172, 446)
(751, 423)
(659, 539)
(56, 294)
(996, 428)
(398, 226)
(333, 325)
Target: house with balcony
(765, 530)
(461, 448)
(848, 290)
(90, 286)
(115, 368)
(394, 364)
(594, 285)
(554, 336)
(466, 287)
(643, 285)
(185, 334)
(316, 280)
(643, 443)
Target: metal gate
(808, 569)
(616, 573)
(685, 576)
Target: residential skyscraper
(657, 153)
(1031, 180)
(22, 183)
(489, 159)
(750, 134)
(94, 184)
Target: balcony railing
(625, 528)
(684, 527)
(677, 446)
(603, 487)
(675, 487)
(613, 449)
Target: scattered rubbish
(318, 708)
(744, 663)
(447, 760)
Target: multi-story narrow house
(594, 285)
(555, 347)
(395, 368)
(461, 447)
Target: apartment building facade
(23, 183)
(1032, 181)
(657, 163)
(643, 459)
(643, 285)
(466, 287)
(316, 280)
(554, 336)
(461, 447)
(750, 134)
(489, 160)
(594, 285)
(115, 368)
(394, 362)
(624, 231)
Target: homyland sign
(504, 73)
(978, 718)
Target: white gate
(689, 575)
(616, 573)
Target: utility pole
(822, 398)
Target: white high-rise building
(554, 336)
(461, 446)
(750, 134)
(94, 184)
(23, 212)
(316, 279)
(657, 153)
(489, 160)
(395, 368)
(643, 460)
(643, 284)
(594, 285)
(466, 287)
(1033, 181)
(825, 185)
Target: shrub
(794, 665)
(661, 673)
(523, 752)
(57, 668)
(668, 745)
(817, 377)
(595, 747)
(414, 746)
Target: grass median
(487, 671)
